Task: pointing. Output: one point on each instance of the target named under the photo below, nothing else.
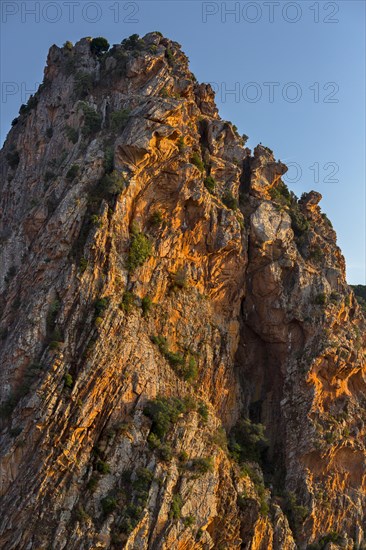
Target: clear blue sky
(313, 51)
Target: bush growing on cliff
(103, 467)
(83, 84)
(186, 369)
(176, 507)
(72, 172)
(320, 299)
(210, 184)
(139, 494)
(280, 194)
(31, 104)
(108, 160)
(316, 253)
(181, 145)
(119, 119)
(13, 159)
(108, 505)
(179, 278)
(197, 161)
(146, 305)
(112, 184)
(170, 57)
(360, 293)
(134, 42)
(327, 220)
(175, 359)
(30, 376)
(299, 223)
(322, 543)
(164, 412)
(247, 441)
(101, 306)
(156, 218)
(128, 301)
(92, 120)
(201, 465)
(295, 512)
(68, 380)
(140, 251)
(99, 45)
(230, 201)
(72, 134)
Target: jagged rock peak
(182, 361)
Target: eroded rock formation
(182, 360)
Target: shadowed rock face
(129, 213)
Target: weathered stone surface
(254, 298)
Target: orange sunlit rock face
(182, 360)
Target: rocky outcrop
(182, 361)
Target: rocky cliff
(182, 360)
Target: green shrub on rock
(99, 45)
(230, 201)
(119, 119)
(197, 161)
(210, 184)
(140, 251)
(72, 172)
(92, 120)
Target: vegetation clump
(280, 194)
(185, 368)
(299, 223)
(103, 467)
(197, 161)
(284, 198)
(133, 42)
(83, 84)
(247, 441)
(146, 305)
(31, 104)
(316, 253)
(170, 57)
(108, 160)
(99, 45)
(128, 301)
(176, 507)
(92, 120)
(30, 376)
(140, 250)
(164, 412)
(13, 159)
(230, 201)
(140, 488)
(322, 543)
(68, 380)
(119, 119)
(72, 134)
(181, 145)
(72, 172)
(360, 293)
(180, 279)
(210, 184)
(100, 306)
(320, 299)
(201, 465)
(156, 218)
(108, 504)
(296, 513)
(112, 184)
